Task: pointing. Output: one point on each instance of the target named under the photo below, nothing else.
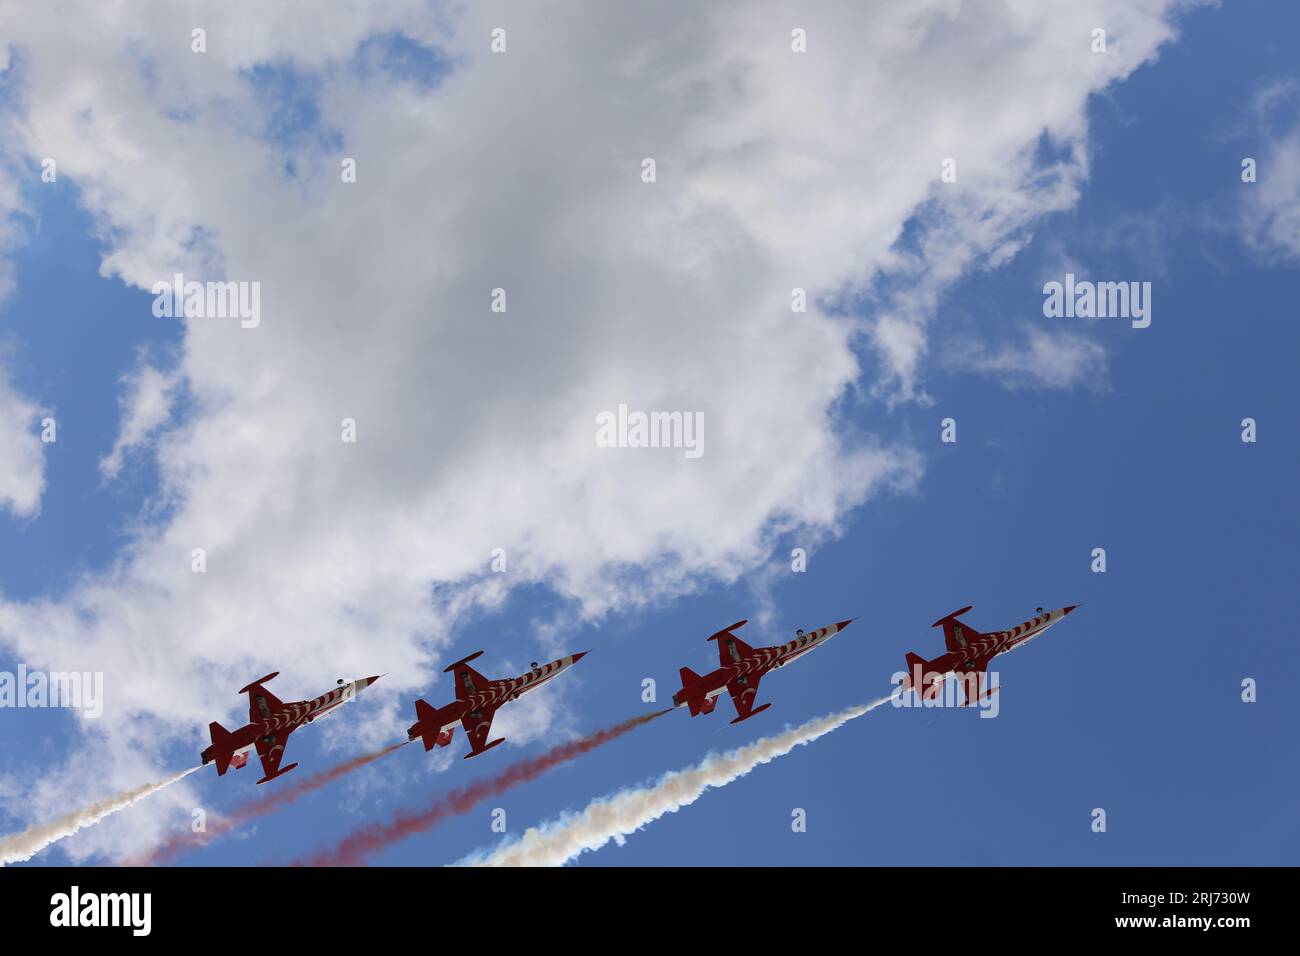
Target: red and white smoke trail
(23, 846)
(615, 817)
(257, 808)
(365, 841)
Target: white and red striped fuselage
(969, 651)
(270, 721)
(742, 667)
(498, 692)
(477, 700)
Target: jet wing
(955, 634)
(958, 637)
(731, 649)
(261, 704)
(467, 680)
(478, 725)
(270, 749)
(744, 691)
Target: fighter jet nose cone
(1069, 608)
(370, 680)
(843, 624)
(580, 655)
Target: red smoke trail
(370, 839)
(257, 808)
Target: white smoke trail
(617, 816)
(23, 846)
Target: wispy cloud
(1044, 359)
(147, 400)
(1269, 216)
(22, 466)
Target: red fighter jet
(969, 652)
(477, 701)
(270, 722)
(742, 668)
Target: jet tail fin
(690, 692)
(693, 695)
(222, 753)
(917, 669)
(428, 726)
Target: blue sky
(1132, 705)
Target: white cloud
(13, 228)
(476, 430)
(1271, 213)
(146, 404)
(1046, 360)
(22, 464)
